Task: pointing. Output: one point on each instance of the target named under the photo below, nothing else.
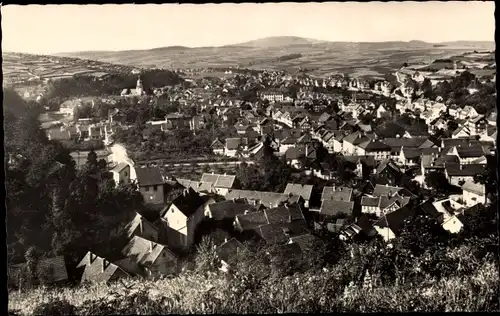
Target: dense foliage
(75, 209)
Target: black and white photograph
(250, 158)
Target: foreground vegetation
(257, 287)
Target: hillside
(320, 57)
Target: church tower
(139, 89)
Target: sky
(67, 28)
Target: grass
(306, 292)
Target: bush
(55, 308)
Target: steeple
(139, 88)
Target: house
(467, 112)
(306, 242)
(218, 147)
(48, 270)
(477, 124)
(409, 157)
(382, 204)
(375, 148)
(267, 199)
(335, 208)
(250, 221)
(228, 209)
(294, 155)
(147, 258)
(272, 96)
(468, 154)
(227, 253)
(473, 193)
(221, 183)
(387, 190)
(364, 164)
(141, 227)
(323, 171)
(362, 227)
(151, 184)
(458, 173)
(337, 194)
(98, 269)
(303, 191)
(350, 143)
(442, 212)
(381, 111)
(390, 225)
(235, 146)
(121, 173)
(388, 173)
(183, 216)
(462, 131)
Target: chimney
(151, 246)
(225, 239)
(461, 167)
(246, 212)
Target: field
(320, 58)
(19, 69)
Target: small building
(151, 184)
(98, 269)
(303, 191)
(121, 173)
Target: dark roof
(366, 160)
(374, 145)
(305, 242)
(272, 233)
(470, 152)
(458, 142)
(333, 208)
(469, 170)
(337, 194)
(300, 151)
(252, 220)
(283, 214)
(299, 189)
(188, 202)
(229, 249)
(395, 220)
(149, 176)
(229, 209)
(384, 190)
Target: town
(148, 173)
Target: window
(126, 174)
(146, 189)
(155, 188)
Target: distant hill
(323, 57)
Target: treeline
(52, 208)
(81, 86)
(288, 57)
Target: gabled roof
(469, 170)
(98, 269)
(251, 220)
(283, 214)
(229, 209)
(235, 142)
(300, 151)
(217, 144)
(334, 208)
(374, 145)
(272, 233)
(304, 191)
(475, 188)
(219, 180)
(385, 190)
(188, 202)
(470, 152)
(395, 220)
(149, 176)
(146, 252)
(139, 222)
(336, 194)
(120, 167)
(269, 199)
(305, 242)
(229, 250)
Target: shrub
(55, 308)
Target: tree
(427, 88)
(92, 160)
(32, 258)
(206, 259)
(437, 181)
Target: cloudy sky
(64, 28)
